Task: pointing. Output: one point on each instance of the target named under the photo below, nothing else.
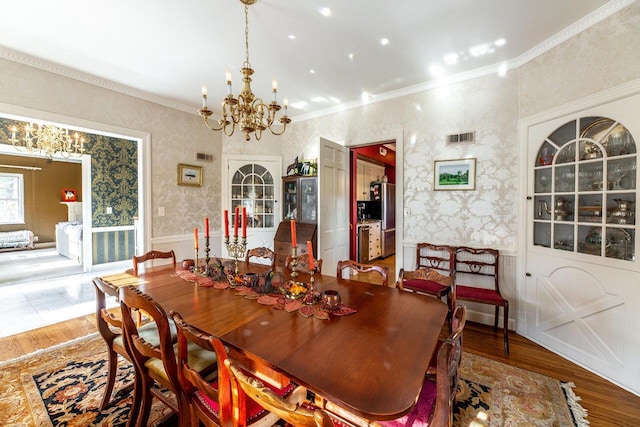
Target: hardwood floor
(607, 404)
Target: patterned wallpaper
(114, 176)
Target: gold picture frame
(189, 175)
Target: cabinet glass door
(291, 199)
(585, 178)
(309, 200)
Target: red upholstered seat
(421, 413)
(471, 293)
(428, 286)
(253, 410)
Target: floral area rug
(494, 394)
(63, 385)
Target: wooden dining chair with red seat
(477, 271)
(358, 267)
(261, 254)
(210, 403)
(303, 264)
(458, 322)
(244, 386)
(155, 364)
(429, 281)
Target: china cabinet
(253, 187)
(300, 194)
(585, 189)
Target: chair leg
(147, 400)
(495, 318)
(506, 327)
(135, 405)
(112, 368)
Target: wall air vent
(204, 157)
(461, 138)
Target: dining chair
(477, 271)
(150, 256)
(243, 386)
(210, 402)
(260, 254)
(458, 322)
(155, 362)
(110, 328)
(358, 267)
(303, 264)
(436, 257)
(429, 281)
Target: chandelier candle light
(48, 140)
(236, 249)
(251, 114)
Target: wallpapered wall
(114, 183)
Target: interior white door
(253, 182)
(333, 218)
(580, 302)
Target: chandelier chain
(246, 36)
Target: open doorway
(373, 202)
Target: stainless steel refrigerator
(383, 207)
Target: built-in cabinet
(300, 195)
(367, 172)
(581, 269)
(585, 189)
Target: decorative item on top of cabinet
(585, 189)
(300, 198)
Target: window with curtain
(11, 198)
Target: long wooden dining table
(371, 363)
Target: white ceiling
(165, 50)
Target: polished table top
(371, 362)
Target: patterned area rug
(63, 385)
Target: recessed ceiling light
(418, 107)
(319, 99)
(292, 37)
(451, 58)
(500, 42)
(384, 41)
(325, 11)
(312, 71)
(479, 50)
(334, 99)
(351, 56)
(365, 96)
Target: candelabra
(236, 250)
(294, 264)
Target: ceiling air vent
(204, 157)
(461, 138)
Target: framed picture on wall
(189, 175)
(457, 174)
(69, 195)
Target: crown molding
(51, 67)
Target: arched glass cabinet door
(253, 188)
(585, 178)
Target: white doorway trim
(143, 140)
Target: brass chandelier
(251, 114)
(48, 140)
